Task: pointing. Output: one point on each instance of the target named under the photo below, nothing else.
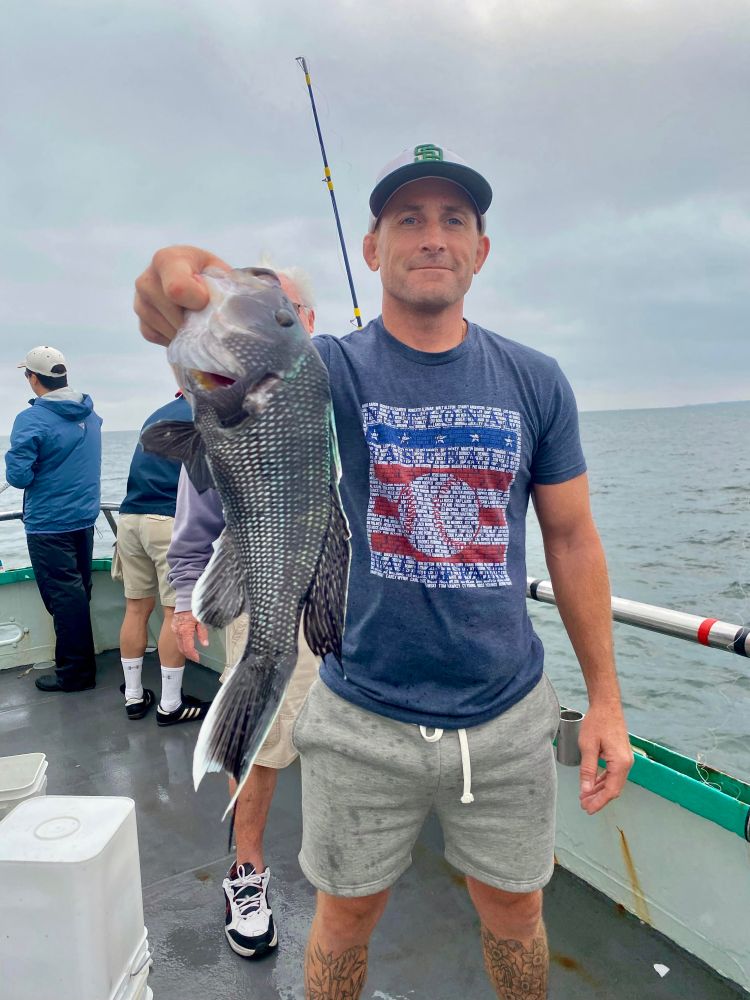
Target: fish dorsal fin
(325, 606)
(180, 441)
(219, 595)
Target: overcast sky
(615, 134)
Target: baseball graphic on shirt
(439, 514)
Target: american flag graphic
(440, 479)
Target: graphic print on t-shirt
(440, 479)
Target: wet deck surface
(427, 945)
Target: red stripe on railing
(704, 628)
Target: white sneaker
(248, 923)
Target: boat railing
(106, 508)
(679, 624)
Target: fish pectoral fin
(219, 595)
(180, 441)
(325, 605)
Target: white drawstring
(437, 733)
(463, 742)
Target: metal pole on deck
(694, 628)
(329, 181)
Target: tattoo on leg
(335, 978)
(516, 972)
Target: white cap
(429, 160)
(43, 361)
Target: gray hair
(299, 277)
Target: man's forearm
(578, 572)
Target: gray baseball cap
(429, 160)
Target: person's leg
(133, 642)
(514, 941)
(502, 835)
(248, 921)
(155, 536)
(336, 954)
(169, 651)
(248, 879)
(84, 540)
(248, 925)
(139, 584)
(54, 559)
(251, 815)
(172, 664)
(134, 628)
(368, 783)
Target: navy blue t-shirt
(439, 453)
(152, 480)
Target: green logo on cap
(427, 152)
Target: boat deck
(427, 945)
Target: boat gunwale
(718, 797)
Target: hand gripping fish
(263, 436)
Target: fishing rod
(302, 62)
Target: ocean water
(671, 498)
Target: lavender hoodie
(198, 522)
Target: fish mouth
(210, 381)
(224, 394)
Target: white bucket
(21, 777)
(133, 985)
(71, 919)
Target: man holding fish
(435, 698)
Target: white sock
(132, 670)
(171, 688)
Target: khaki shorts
(142, 543)
(278, 750)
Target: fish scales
(263, 436)
(278, 519)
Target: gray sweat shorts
(369, 782)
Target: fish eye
(283, 317)
(264, 274)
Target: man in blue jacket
(55, 458)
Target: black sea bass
(263, 436)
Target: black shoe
(50, 682)
(189, 710)
(137, 707)
(248, 923)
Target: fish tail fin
(240, 717)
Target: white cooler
(21, 777)
(71, 918)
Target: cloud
(614, 135)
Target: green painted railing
(695, 786)
(27, 573)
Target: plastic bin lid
(19, 774)
(63, 829)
